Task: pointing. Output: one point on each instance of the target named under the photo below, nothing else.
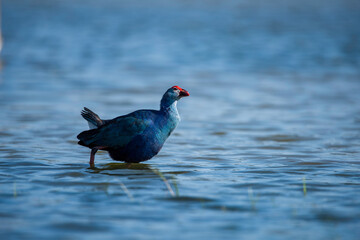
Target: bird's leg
(92, 156)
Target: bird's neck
(169, 107)
(170, 110)
(170, 120)
(167, 104)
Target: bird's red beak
(184, 93)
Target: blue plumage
(137, 136)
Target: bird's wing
(115, 133)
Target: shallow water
(268, 146)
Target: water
(268, 146)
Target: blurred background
(268, 146)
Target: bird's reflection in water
(143, 167)
(116, 166)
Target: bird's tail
(88, 137)
(92, 118)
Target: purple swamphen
(135, 137)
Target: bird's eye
(174, 88)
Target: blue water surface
(268, 145)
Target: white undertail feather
(91, 126)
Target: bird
(135, 137)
